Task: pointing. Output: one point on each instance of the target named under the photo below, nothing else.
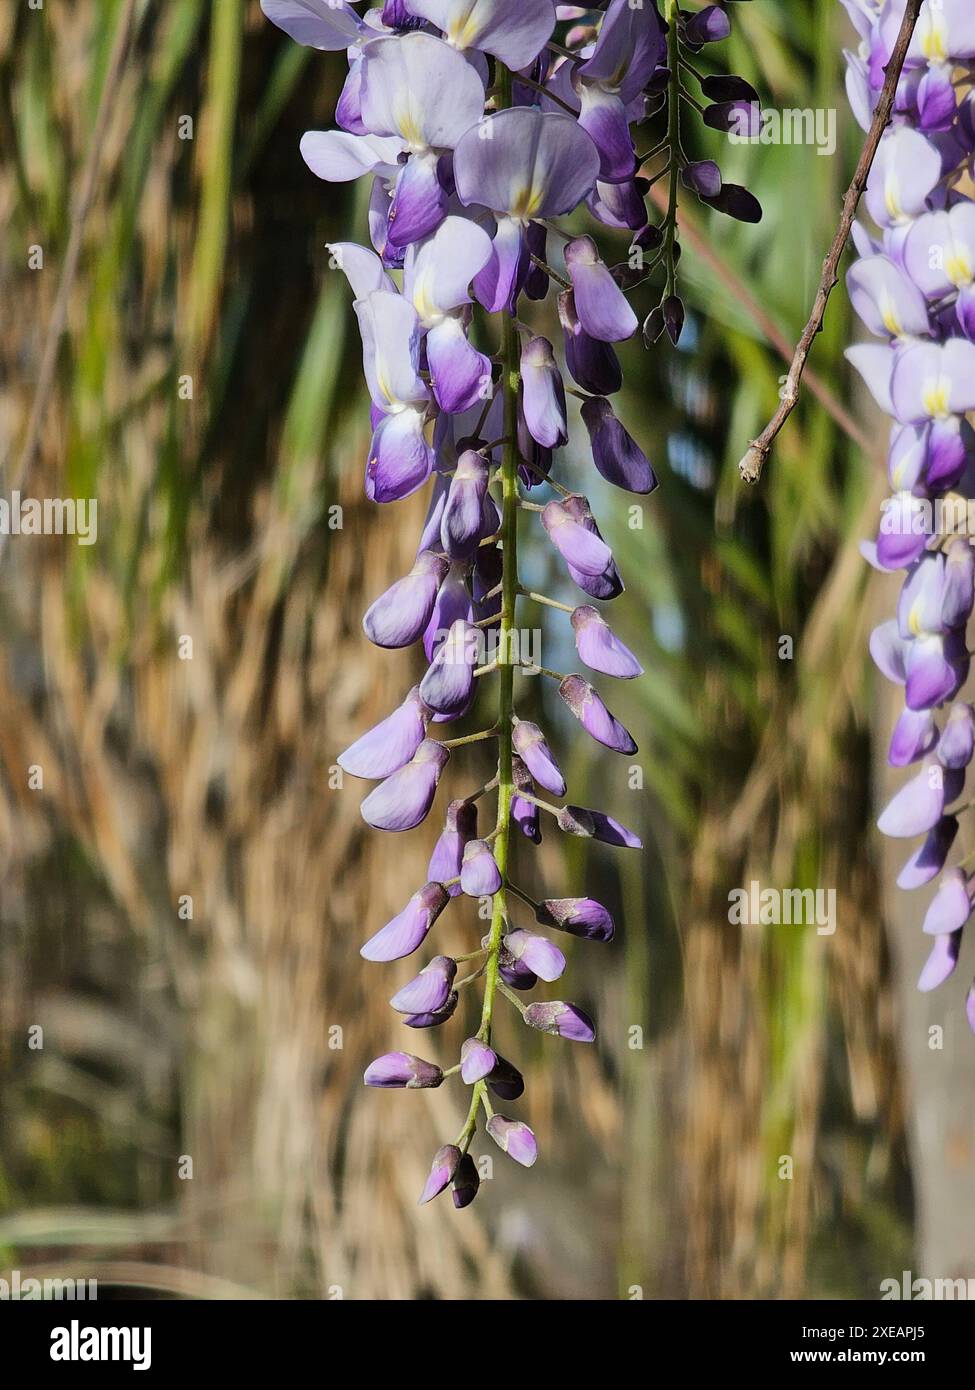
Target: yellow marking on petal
(409, 129)
(935, 396)
(958, 268)
(891, 199)
(914, 620)
(526, 202)
(888, 313)
(934, 42)
(429, 313)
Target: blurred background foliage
(208, 394)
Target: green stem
(506, 668)
(673, 140)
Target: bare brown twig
(753, 462)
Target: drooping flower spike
(478, 124)
(913, 289)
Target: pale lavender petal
(330, 25)
(529, 742)
(403, 800)
(526, 164)
(578, 916)
(562, 1019)
(543, 395)
(402, 1069)
(399, 616)
(515, 1138)
(600, 303)
(445, 1164)
(417, 87)
(929, 859)
(428, 991)
(540, 955)
(513, 31)
(951, 907)
(449, 680)
(941, 963)
(593, 715)
(460, 826)
(400, 459)
(582, 548)
(391, 744)
(406, 931)
(477, 1060)
(479, 874)
(600, 648)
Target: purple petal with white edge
(600, 648)
(936, 668)
(543, 395)
(630, 44)
(889, 651)
(526, 164)
(348, 108)
(600, 303)
(445, 1164)
(951, 906)
(540, 955)
(602, 586)
(402, 1069)
(460, 526)
(928, 859)
(581, 548)
(498, 285)
(477, 1060)
(338, 157)
(887, 301)
(515, 1138)
(917, 807)
(513, 31)
(329, 25)
(390, 333)
(403, 800)
(932, 380)
(941, 963)
(530, 744)
(599, 826)
(620, 205)
(399, 616)
(449, 680)
(428, 991)
(937, 99)
(479, 873)
(391, 744)
(615, 453)
(915, 734)
(419, 88)
(434, 1017)
(561, 1019)
(452, 604)
(591, 712)
(419, 202)
(400, 459)
(578, 916)
(438, 273)
(406, 931)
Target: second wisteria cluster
(914, 288)
(478, 124)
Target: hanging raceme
(479, 130)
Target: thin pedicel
(479, 132)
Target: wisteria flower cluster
(914, 288)
(478, 129)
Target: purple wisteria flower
(912, 287)
(476, 125)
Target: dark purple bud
(399, 616)
(435, 1017)
(460, 525)
(709, 25)
(592, 364)
(575, 820)
(742, 118)
(428, 991)
(540, 955)
(615, 453)
(593, 715)
(524, 813)
(735, 201)
(391, 744)
(506, 1081)
(466, 1182)
(529, 742)
(516, 975)
(477, 1060)
(399, 1069)
(406, 931)
(403, 800)
(564, 1020)
(600, 648)
(460, 826)
(728, 87)
(442, 1169)
(605, 828)
(578, 546)
(603, 586)
(543, 395)
(515, 1138)
(448, 685)
(648, 238)
(673, 310)
(479, 874)
(536, 281)
(653, 326)
(578, 916)
(702, 177)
